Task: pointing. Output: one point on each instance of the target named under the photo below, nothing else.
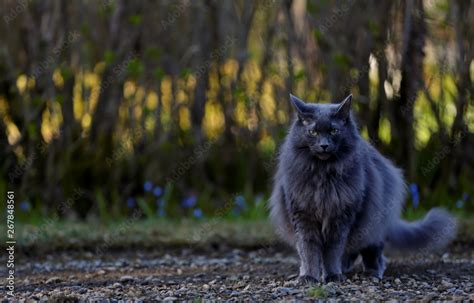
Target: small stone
(292, 283)
(168, 299)
(82, 290)
(397, 281)
(53, 280)
(282, 290)
(116, 285)
(206, 287)
(447, 284)
(330, 288)
(235, 293)
(126, 278)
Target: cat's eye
(313, 132)
(334, 131)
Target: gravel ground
(231, 274)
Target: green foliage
(145, 208)
(317, 292)
(135, 68)
(33, 131)
(185, 73)
(153, 53)
(103, 208)
(259, 210)
(135, 19)
(341, 60)
(109, 57)
(318, 35)
(300, 75)
(373, 26)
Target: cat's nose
(324, 146)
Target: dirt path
(231, 274)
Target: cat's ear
(302, 109)
(344, 109)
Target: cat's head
(326, 131)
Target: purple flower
(25, 206)
(197, 213)
(148, 186)
(415, 195)
(131, 203)
(157, 191)
(189, 202)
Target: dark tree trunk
(412, 81)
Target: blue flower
(148, 186)
(415, 195)
(240, 201)
(131, 202)
(197, 213)
(157, 191)
(189, 202)
(25, 206)
(459, 203)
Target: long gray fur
(336, 204)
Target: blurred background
(173, 109)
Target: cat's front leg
(308, 245)
(333, 251)
(309, 251)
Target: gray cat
(335, 197)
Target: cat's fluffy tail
(432, 233)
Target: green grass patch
(52, 235)
(317, 292)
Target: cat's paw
(378, 274)
(335, 278)
(307, 280)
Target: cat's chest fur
(323, 191)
